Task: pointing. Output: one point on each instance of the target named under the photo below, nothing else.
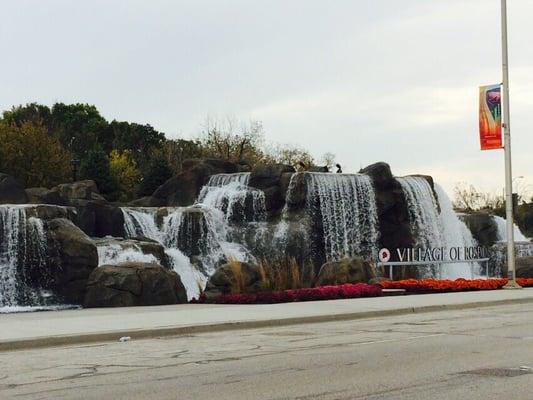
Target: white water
(176, 230)
(456, 234)
(192, 279)
(347, 204)
(434, 229)
(22, 242)
(141, 222)
(114, 253)
(231, 194)
(501, 224)
(423, 212)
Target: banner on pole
(490, 117)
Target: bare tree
(233, 141)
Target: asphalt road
(484, 353)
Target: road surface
(484, 353)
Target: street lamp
(511, 271)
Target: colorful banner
(490, 117)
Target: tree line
(40, 146)
(468, 198)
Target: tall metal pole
(511, 272)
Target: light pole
(511, 271)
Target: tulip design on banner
(490, 117)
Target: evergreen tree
(158, 173)
(95, 166)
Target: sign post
(511, 272)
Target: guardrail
(392, 264)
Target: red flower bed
(351, 291)
(347, 291)
(525, 282)
(444, 285)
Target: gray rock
(183, 189)
(234, 277)
(265, 176)
(74, 257)
(133, 284)
(11, 191)
(42, 195)
(348, 270)
(482, 226)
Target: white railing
(392, 264)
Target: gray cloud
(366, 80)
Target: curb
(63, 340)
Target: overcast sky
(373, 80)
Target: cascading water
(347, 205)
(423, 212)
(113, 253)
(435, 224)
(501, 224)
(231, 194)
(140, 223)
(456, 234)
(22, 244)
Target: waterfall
(242, 178)
(192, 279)
(347, 205)
(456, 234)
(114, 253)
(501, 224)
(435, 224)
(23, 245)
(200, 232)
(139, 223)
(231, 194)
(423, 211)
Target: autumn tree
(32, 156)
(124, 170)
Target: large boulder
(272, 180)
(183, 189)
(73, 258)
(133, 284)
(482, 226)
(267, 175)
(234, 277)
(49, 211)
(80, 190)
(192, 234)
(348, 270)
(380, 173)
(295, 188)
(95, 215)
(40, 195)
(11, 191)
(99, 218)
(393, 213)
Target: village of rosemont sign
(428, 256)
(434, 254)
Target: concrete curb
(113, 336)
